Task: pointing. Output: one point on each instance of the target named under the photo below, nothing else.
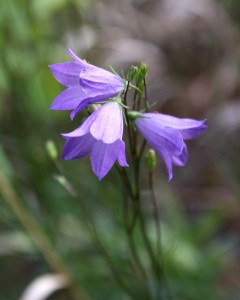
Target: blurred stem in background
(39, 237)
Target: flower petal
(168, 161)
(160, 137)
(85, 103)
(69, 99)
(189, 128)
(77, 147)
(67, 73)
(108, 126)
(181, 160)
(102, 80)
(76, 58)
(103, 157)
(121, 154)
(84, 128)
(191, 133)
(173, 122)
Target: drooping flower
(85, 84)
(100, 136)
(166, 134)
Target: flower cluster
(101, 133)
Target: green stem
(92, 229)
(105, 254)
(156, 213)
(130, 135)
(129, 228)
(145, 95)
(134, 100)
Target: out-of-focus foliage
(192, 50)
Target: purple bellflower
(100, 136)
(85, 84)
(166, 134)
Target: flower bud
(150, 159)
(132, 73)
(141, 74)
(51, 149)
(143, 69)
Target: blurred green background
(192, 49)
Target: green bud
(132, 73)
(141, 74)
(51, 149)
(150, 159)
(143, 69)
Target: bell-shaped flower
(85, 84)
(166, 134)
(100, 136)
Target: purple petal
(77, 147)
(105, 82)
(121, 154)
(69, 99)
(160, 137)
(103, 157)
(168, 161)
(84, 128)
(108, 126)
(189, 128)
(67, 73)
(76, 58)
(83, 104)
(181, 160)
(173, 122)
(191, 133)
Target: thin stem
(145, 95)
(142, 149)
(137, 265)
(125, 94)
(122, 172)
(129, 228)
(92, 228)
(134, 100)
(156, 213)
(39, 237)
(127, 119)
(155, 265)
(138, 105)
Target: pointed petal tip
(100, 177)
(75, 57)
(65, 135)
(72, 115)
(53, 107)
(71, 53)
(170, 177)
(52, 67)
